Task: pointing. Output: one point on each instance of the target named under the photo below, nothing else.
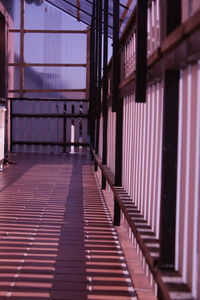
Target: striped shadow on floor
(56, 236)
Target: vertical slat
(129, 146)
(157, 23)
(139, 157)
(125, 143)
(64, 127)
(153, 24)
(193, 235)
(148, 33)
(150, 29)
(133, 154)
(196, 245)
(147, 154)
(85, 123)
(130, 162)
(69, 124)
(143, 157)
(137, 152)
(187, 181)
(179, 170)
(158, 155)
(154, 155)
(149, 174)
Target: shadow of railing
(57, 240)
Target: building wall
(142, 160)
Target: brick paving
(56, 236)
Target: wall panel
(188, 176)
(142, 141)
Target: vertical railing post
(117, 106)
(105, 90)
(169, 170)
(22, 49)
(115, 57)
(64, 128)
(99, 63)
(92, 81)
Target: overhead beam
(78, 9)
(65, 11)
(125, 12)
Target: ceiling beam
(78, 9)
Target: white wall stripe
(196, 196)
(186, 224)
(178, 192)
(161, 96)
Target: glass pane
(55, 78)
(50, 17)
(14, 47)
(55, 48)
(13, 6)
(14, 78)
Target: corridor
(57, 240)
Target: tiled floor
(56, 236)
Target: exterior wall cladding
(143, 145)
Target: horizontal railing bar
(45, 65)
(49, 143)
(46, 99)
(47, 91)
(26, 115)
(48, 31)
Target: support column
(22, 49)
(92, 82)
(99, 63)
(169, 170)
(141, 51)
(117, 106)
(105, 90)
